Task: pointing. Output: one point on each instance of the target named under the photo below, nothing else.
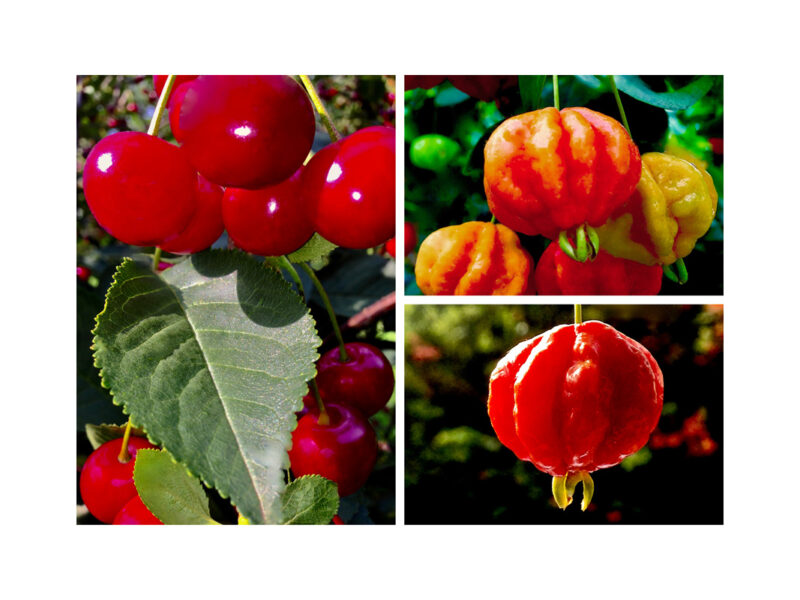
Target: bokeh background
(457, 472)
(440, 193)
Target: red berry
(410, 241)
(159, 81)
(270, 221)
(350, 184)
(337, 520)
(175, 103)
(135, 513)
(131, 107)
(206, 225)
(246, 131)
(344, 451)
(140, 188)
(106, 483)
(365, 381)
(84, 273)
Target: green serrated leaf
(675, 100)
(530, 89)
(211, 358)
(100, 434)
(169, 491)
(316, 249)
(310, 500)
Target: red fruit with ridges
(350, 186)
(140, 188)
(206, 225)
(246, 131)
(344, 451)
(106, 483)
(365, 380)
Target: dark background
(457, 472)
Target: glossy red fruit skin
(140, 188)
(84, 273)
(206, 225)
(159, 81)
(365, 381)
(343, 451)
(175, 103)
(270, 221)
(350, 187)
(135, 513)
(576, 398)
(107, 484)
(246, 131)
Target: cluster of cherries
(249, 135)
(334, 437)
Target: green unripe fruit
(433, 152)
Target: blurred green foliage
(457, 471)
(454, 194)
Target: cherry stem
(323, 418)
(124, 456)
(320, 108)
(619, 104)
(556, 101)
(578, 314)
(326, 301)
(162, 102)
(284, 262)
(156, 258)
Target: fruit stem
(323, 114)
(578, 314)
(124, 456)
(323, 418)
(619, 104)
(284, 262)
(556, 101)
(162, 102)
(326, 301)
(156, 259)
(683, 274)
(494, 220)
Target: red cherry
(159, 81)
(246, 131)
(271, 221)
(140, 188)
(343, 451)
(410, 241)
(337, 520)
(84, 273)
(131, 107)
(350, 184)
(106, 483)
(135, 513)
(175, 103)
(365, 381)
(206, 225)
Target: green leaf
(310, 500)
(449, 96)
(675, 100)
(169, 491)
(100, 434)
(211, 358)
(530, 88)
(358, 281)
(314, 250)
